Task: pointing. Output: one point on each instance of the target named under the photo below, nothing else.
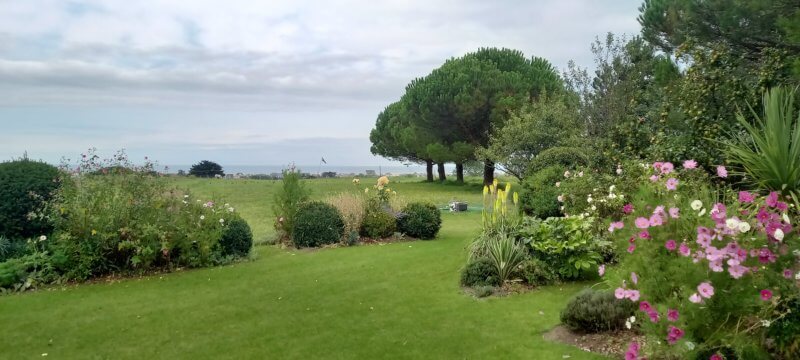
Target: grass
(399, 301)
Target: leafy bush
(537, 273)
(25, 186)
(480, 272)
(237, 239)
(592, 311)
(566, 244)
(317, 224)
(785, 332)
(539, 195)
(288, 199)
(562, 157)
(351, 207)
(378, 222)
(420, 220)
(505, 254)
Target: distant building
(371, 173)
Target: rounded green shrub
(317, 223)
(537, 273)
(420, 220)
(561, 156)
(378, 223)
(539, 194)
(480, 272)
(237, 239)
(24, 186)
(592, 311)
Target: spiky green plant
(506, 255)
(768, 151)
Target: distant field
(253, 198)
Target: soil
(612, 343)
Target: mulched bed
(612, 343)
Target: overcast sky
(249, 82)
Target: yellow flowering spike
(491, 189)
(516, 198)
(508, 187)
(485, 190)
(94, 232)
(495, 182)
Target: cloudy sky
(246, 82)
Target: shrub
(25, 186)
(562, 157)
(291, 194)
(537, 273)
(539, 195)
(351, 207)
(420, 220)
(592, 311)
(317, 224)
(567, 245)
(479, 272)
(237, 239)
(378, 222)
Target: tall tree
(395, 138)
(206, 169)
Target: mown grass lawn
(393, 301)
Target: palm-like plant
(768, 152)
(506, 255)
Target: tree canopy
(206, 169)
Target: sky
(246, 82)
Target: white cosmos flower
(202, 217)
(778, 234)
(702, 212)
(594, 208)
(221, 221)
(744, 226)
(42, 238)
(732, 223)
(558, 183)
(696, 205)
(786, 218)
(797, 276)
(589, 199)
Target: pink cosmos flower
(672, 315)
(642, 223)
(654, 316)
(601, 270)
(671, 245)
(695, 298)
(737, 271)
(684, 250)
(627, 209)
(674, 212)
(634, 278)
(644, 234)
(645, 306)
(633, 295)
(657, 165)
(746, 197)
(656, 220)
(706, 290)
(690, 164)
(787, 273)
(667, 168)
(722, 171)
(617, 225)
(674, 334)
(715, 357)
(619, 293)
(631, 248)
(672, 184)
(654, 178)
(633, 351)
(766, 294)
(772, 199)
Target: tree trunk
(442, 174)
(460, 172)
(429, 170)
(488, 172)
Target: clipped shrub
(539, 195)
(480, 272)
(592, 311)
(378, 223)
(237, 239)
(317, 223)
(537, 273)
(25, 185)
(420, 220)
(561, 156)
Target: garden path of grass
(397, 301)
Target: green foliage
(592, 311)
(378, 222)
(506, 255)
(287, 201)
(768, 152)
(547, 122)
(317, 224)
(785, 332)
(26, 272)
(206, 169)
(480, 272)
(420, 220)
(563, 156)
(237, 239)
(539, 195)
(537, 273)
(566, 244)
(25, 186)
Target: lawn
(393, 301)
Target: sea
(318, 169)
